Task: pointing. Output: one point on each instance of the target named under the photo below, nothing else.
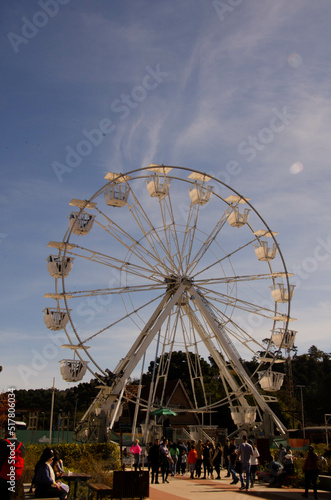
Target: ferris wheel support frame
(232, 354)
(137, 351)
(216, 356)
(128, 364)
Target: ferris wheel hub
(174, 281)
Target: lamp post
(52, 411)
(302, 412)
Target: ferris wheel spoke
(237, 303)
(150, 234)
(190, 230)
(113, 291)
(121, 319)
(113, 262)
(237, 279)
(170, 232)
(150, 259)
(208, 241)
(225, 257)
(235, 330)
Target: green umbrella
(163, 411)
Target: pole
(302, 412)
(52, 410)
(121, 448)
(209, 394)
(75, 414)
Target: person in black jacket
(155, 459)
(217, 459)
(226, 453)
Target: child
(192, 460)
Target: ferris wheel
(168, 259)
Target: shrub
(96, 460)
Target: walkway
(184, 488)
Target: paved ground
(184, 488)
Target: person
(174, 453)
(166, 460)
(310, 469)
(155, 459)
(232, 458)
(183, 460)
(254, 460)
(11, 485)
(226, 456)
(276, 473)
(281, 454)
(212, 448)
(136, 450)
(181, 447)
(58, 469)
(244, 453)
(57, 465)
(44, 478)
(206, 459)
(199, 449)
(192, 460)
(150, 444)
(288, 462)
(216, 459)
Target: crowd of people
(205, 460)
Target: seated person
(288, 462)
(44, 478)
(57, 465)
(276, 472)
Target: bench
(263, 476)
(30, 496)
(100, 489)
(324, 483)
(126, 484)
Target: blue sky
(239, 89)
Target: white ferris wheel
(170, 258)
